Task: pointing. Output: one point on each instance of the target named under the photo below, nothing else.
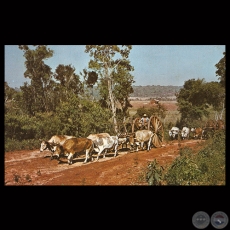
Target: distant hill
(149, 91)
(146, 92)
(155, 91)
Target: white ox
(174, 132)
(103, 142)
(141, 137)
(185, 133)
(50, 144)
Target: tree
(196, 97)
(12, 99)
(221, 70)
(111, 64)
(80, 117)
(90, 79)
(36, 95)
(69, 82)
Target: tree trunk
(113, 105)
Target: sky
(153, 64)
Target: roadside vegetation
(205, 167)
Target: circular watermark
(219, 220)
(201, 220)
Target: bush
(154, 174)
(184, 169)
(11, 145)
(207, 167)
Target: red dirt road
(32, 168)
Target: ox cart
(154, 124)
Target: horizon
(132, 85)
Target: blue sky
(153, 64)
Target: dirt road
(35, 168)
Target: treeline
(155, 91)
(63, 102)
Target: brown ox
(73, 146)
(220, 125)
(141, 137)
(209, 129)
(56, 139)
(197, 133)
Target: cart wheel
(136, 124)
(156, 126)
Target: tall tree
(221, 70)
(36, 93)
(69, 82)
(13, 99)
(196, 97)
(111, 64)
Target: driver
(144, 121)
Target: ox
(123, 139)
(141, 137)
(95, 136)
(197, 133)
(209, 129)
(76, 145)
(56, 139)
(210, 125)
(185, 133)
(220, 125)
(174, 132)
(103, 143)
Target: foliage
(111, 64)
(14, 103)
(196, 97)
(9, 93)
(20, 127)
(36, 95)
(158, 110)
(154, 174)
(77, 117)
(70, 83)
(207, 167)
(29, 144)
(221, 70)
(183, 170)
(80, 117)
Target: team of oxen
(70, 146)
(197, 132)
(101, 143)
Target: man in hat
(144, 121)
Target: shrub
(207, 167)
(183, 170)
(154, 174)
